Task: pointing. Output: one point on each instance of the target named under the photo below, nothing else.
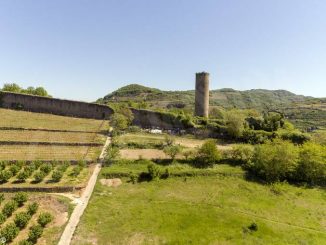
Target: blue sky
(83, 49)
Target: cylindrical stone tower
(202, 94)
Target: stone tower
(202, 94)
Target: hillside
(304, 111)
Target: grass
(43, 136)
(22, 119)
(202, 210)
(40, 152)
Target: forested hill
(306, 111)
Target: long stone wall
(153, 119)
(54, 106)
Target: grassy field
(40, 152)
(22, 119)
(44, 136)
(78, 131)
(202, 210)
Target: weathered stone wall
(54, 106)
(152, 119)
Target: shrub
(14, 169)
(25, 242)
(172, 151)
(76, 171)
(207, 154)
(35, 233)
(82, 164)
(2, 218)
(257, 136)
(253, 227)
(133, 177)
(312, 163)
(32, 208)
(39, 176)
(242, 153)
(235, 122)
(188, 154)
(2, 197)
(37, 164)
(5, 175)
(274, 161)
(23, 175)
(295, 137)
(20, 198)
(154, 171)
(9, 232)
(63, 167)
(46, 168)
(21, 219)
(9, 208)
(57, 176)
(113, 153)
(169, 140)
(44, 219)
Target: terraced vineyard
(34, 136)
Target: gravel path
(83, 201)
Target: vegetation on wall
(15, 88)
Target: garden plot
(32, 218)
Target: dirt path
(83, 201)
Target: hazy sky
(83, 49)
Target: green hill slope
(304, 111)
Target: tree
(172, 151)
(57, 175)
(207, 154)
(32, 208)
(119, 121)
(11, 87)
(312, 163)
(22, 219)
(35, 233)
(235, 122)
(9, 208)
(9, 232)
(275, 161)
(40, 91)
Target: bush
(274, 161)
(295, 137)
(32, 208)
(44, 219)
(154, 171)
(312, 164)
(9, 208)
(76, 171)
(5, 175)
(23, 175)
(257, 136)
(57, 176)
(207, 154)
(2, 218)
(25, 242)
(20, 198)
(253, 227)
(113, 153)
(35, 233)
(37, 164)
(242, 153)
(82, 164)
(9, 232)
(46, 168)
(2, 197)
(21, 219)
(14, 169)
(172, 151)
(169, 140)
(63, 167)
(39, 176)
(188, 154)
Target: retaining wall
(54, 106)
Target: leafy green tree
(235, 123)
(154, 171)
(242, 153)
(11, 87)
(208, 154)
(5, 175)
(39, 176)
(57, 176)
(119, 121)
(275, 161)
(312, 163)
